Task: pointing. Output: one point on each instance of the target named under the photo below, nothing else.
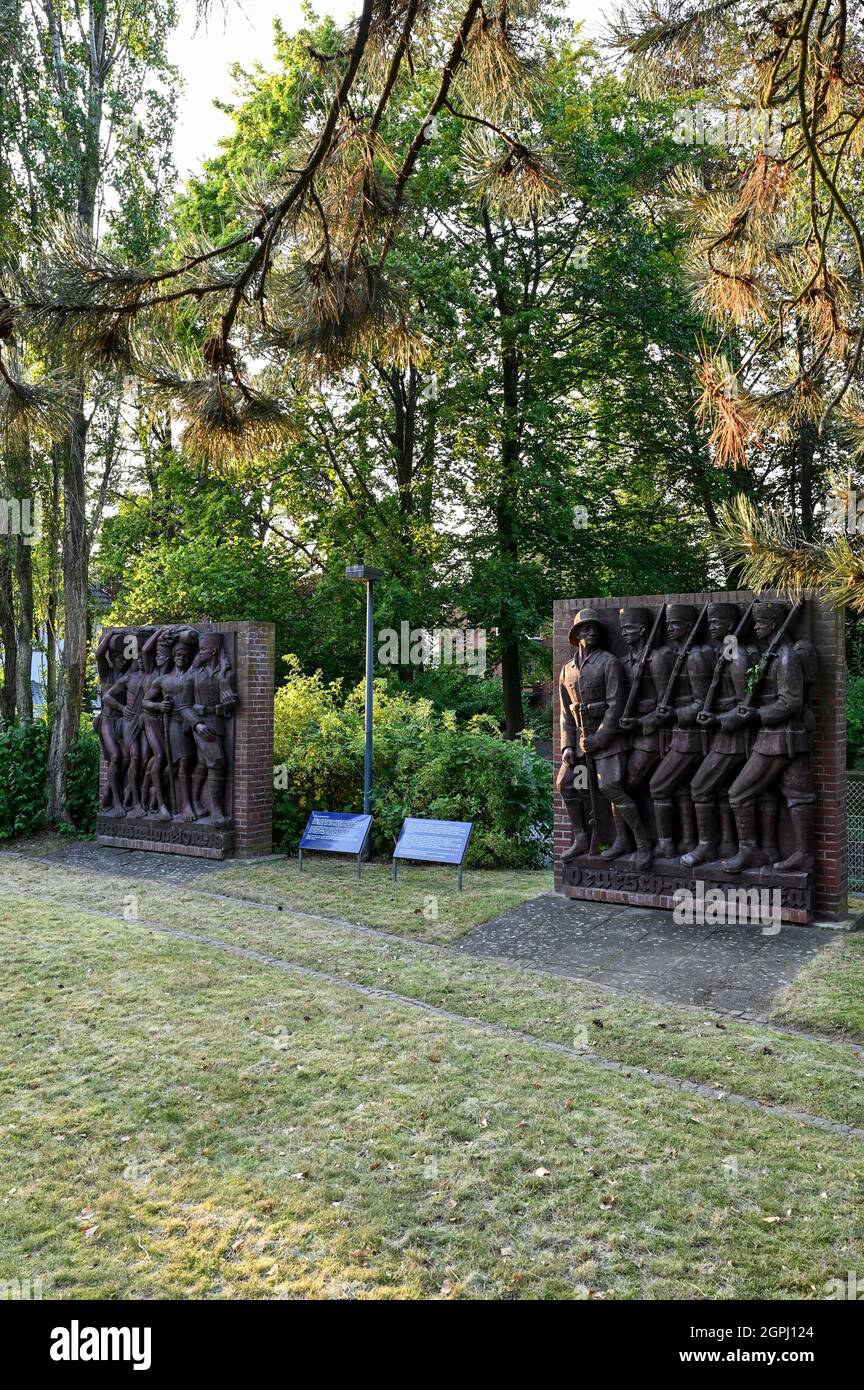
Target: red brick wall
(253, 739)
(829, 740)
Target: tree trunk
(52, 604)
(22, 473)
(73, 667)
(508, 485)
(8, 635)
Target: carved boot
(621, 844)
(216, 795)
(688, 825)
(801, 858)
(664, 812)
(706, 850)
(768, 811)
(727, 847)
(631, 817)
(580, 838)
(198, 780)
(748, 853)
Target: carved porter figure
(780, 755)
(167, 695)
(210, 701)
(592, 690)
(686, 690)
(112, 660)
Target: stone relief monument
(686, 750)
(186, 750)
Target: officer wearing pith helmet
(593, 691)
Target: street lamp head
(364, 574)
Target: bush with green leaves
(427, 764)
(855, 721)
(23, 764)
(82, 783)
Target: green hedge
(855, 721)
(24, 775)
(426, 764)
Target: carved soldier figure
(671, 781)
(210, 700)
(644, 751)
(168, 693)
(727, 751)
(126, 697)
(780, 755)
(592, 691)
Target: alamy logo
(448, 646)
(77, 1343)
(852, 1288)
(21, 517)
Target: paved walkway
(733, 969)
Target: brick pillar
(253, 757)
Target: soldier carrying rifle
(775, 706)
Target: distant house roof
(101, 598)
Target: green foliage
(23, 763)
(426, 764)
(82, 784)
(855, 721)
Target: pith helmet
(726, 612)
(585, 615)
(680, 613)
(635, 617)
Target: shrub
(23, 762)
(855, 721)
(426, 764)
(82, 783)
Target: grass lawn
(424, 901)
(179, 1122)
(828, 995)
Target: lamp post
(365, 574)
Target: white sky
(244, 36)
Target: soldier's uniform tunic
(781, 750)
(644, 749)
(597, 688)
(727, 750)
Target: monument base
(750, 897)
(166, 837)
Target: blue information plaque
(336, 832)
(433, 842)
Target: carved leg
(621, 844)
(688, 823)
(748, 854)
(664, 812)
(216, 794)
(580, 835)
(116, 787)
(727, 847)
(706, 851)
(768, 812)
(185, 813)
(801, 858)
(198, 780)
(629, 813)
